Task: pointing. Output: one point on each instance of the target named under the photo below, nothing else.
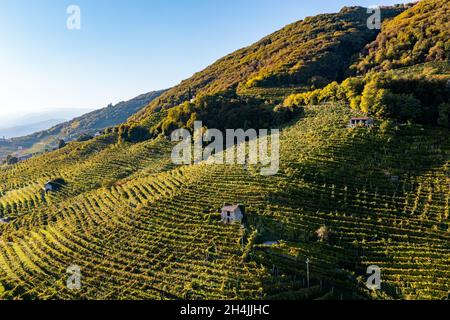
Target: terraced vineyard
(141, 228)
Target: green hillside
(87, 124)
(140, 227)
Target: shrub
(11, 160)
(387, 127)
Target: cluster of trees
(422, 100)
(133, 133)
(223, 111)
(10, 159)
(419, 99)
(85, 137)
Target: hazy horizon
(19, 124)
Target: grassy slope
(146, 236)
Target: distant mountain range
(17, 125)
(36, 137)
(26, 129)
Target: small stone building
(366, 122)
(232, 213)
(49, 186)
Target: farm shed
(354, 122)
(232, 213)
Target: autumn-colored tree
(323, 233)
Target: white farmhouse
(366, 122)
(232, 213)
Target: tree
(355, 103)
(11, 160)
(61, 144)
(123, 133)
(369, 96)
(350, 89)
(410, 107)
(398, 106)
(330, 92)
(323, 233)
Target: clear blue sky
(127, 47)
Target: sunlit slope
(419, 34)
(310, 52)
(158, 235)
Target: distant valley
(26, 129)
(36, 137)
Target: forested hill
(418, 35)
(247, 87)
(311, 52)
(87, 124)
